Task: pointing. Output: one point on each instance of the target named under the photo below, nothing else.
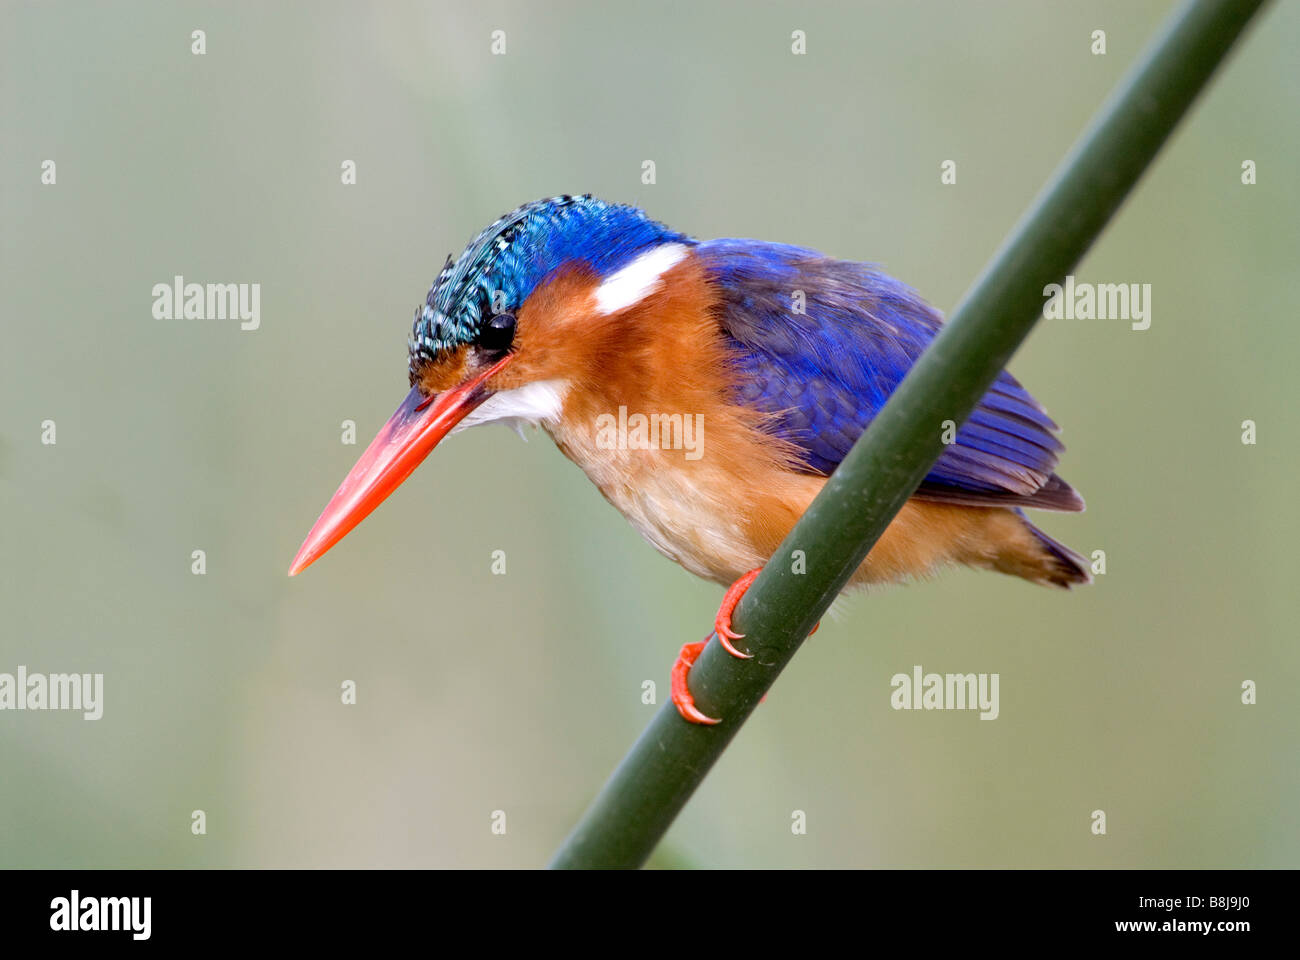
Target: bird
(708, 388)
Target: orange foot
(690, 652)
(681, 693)
(682, 698)
(722, 622)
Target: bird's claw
(690, 652)
(722, 622)
(682, 699)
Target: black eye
(498, 334)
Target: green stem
(890, 459)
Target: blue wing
(824, 373)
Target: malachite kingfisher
(707, 388)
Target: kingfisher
(707, 388)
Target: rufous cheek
(553, 337)
(444, 373)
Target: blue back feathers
(504, 264)
(825, 372)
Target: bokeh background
(521, 692)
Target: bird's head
(504, 331)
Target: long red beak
(401, 445)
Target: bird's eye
(498, 334)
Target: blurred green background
(520, 692)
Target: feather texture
(505, 263)
(820, 344)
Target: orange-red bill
(401, 445)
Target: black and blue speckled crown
(504, 264)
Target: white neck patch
(633, 283)
(529, 405)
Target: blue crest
(505, 263)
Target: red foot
(722, 622)
(682, 698)
(690, 652)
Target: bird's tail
(1043, 560)
(926, 535)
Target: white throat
(530, 405)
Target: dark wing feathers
(822, 343)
